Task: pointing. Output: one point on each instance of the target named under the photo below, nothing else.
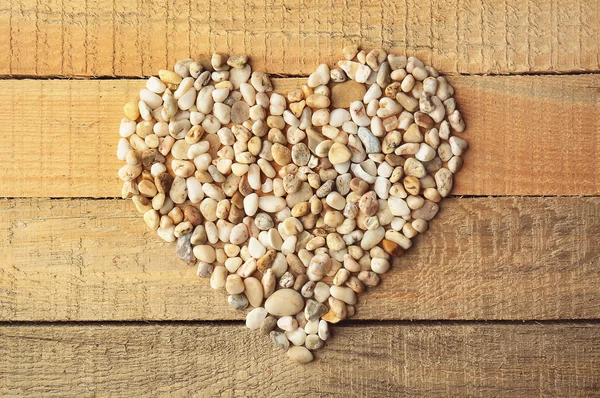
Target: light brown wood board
(395, 360)
(483, 258)
(528, 135)
(138, 37)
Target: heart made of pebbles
(292, 207)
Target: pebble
(339, 153)
(184, 251)
(255, 318)
(456, 121)
(320, 76)
(282, 342)
(239, 234)
(369, 140)
(321, 292)
(313, 342)
(238, 301)
(458, 145)
(271, 204)
(380, 265)
(268, 324)
(218, 277)
(287, 323)
(239, 76)
(205, 253)
(314, 310)
(253, 290)
(372, 238)
(234, 284)
(455, 164)
(344, 294)
(297, 336)
(444, 180)
(300, 354)
(284, 302)
(261, 82)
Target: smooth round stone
(344, 294)
(339, 153)
(321, 292)
(372, 238)
(254, 291)
(314, 310)
(369, 140)
(444, 181)
(205, 253)
(323, 330)
(239, 76)
(255, 248)
(300, 354)
(287, 323)
(284, 302)
(380, 265)
(338, 117)
(251, 204)
(280, 340)
(234, 284)
(458, 145)
(312, 327)
(425, 153)
(239, 234)
(336, 201)
(263, 221)
(268, 324)
(255, 318)
(240, 112)
(313, 342)
(237, 301)
(427, 211)
(398, 206)
(297, 337)
(218, 277)
(271, 204)
(398, 238)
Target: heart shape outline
(308, 120)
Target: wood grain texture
(483, 258)
(133, 38)
(449, 360)
(528, 135)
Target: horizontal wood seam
(346, 323)
(285, 75)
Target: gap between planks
(346, 323)
(284, 75)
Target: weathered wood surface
(483, 258)
(393, 360)
(528, 135)
(132, 38)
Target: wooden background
(500, 298)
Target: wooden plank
(133, 38)
(500, 258)
(450, 360)
(532, 135)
